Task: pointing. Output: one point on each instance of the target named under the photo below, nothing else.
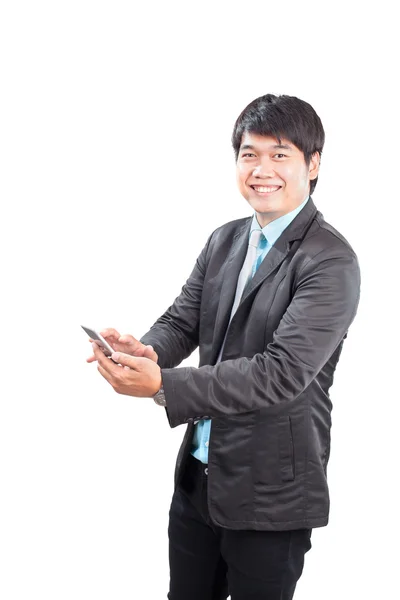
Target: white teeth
(266, 189)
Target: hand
(133, 376)
(126, 344)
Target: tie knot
(255, 237)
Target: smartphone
(100, 341)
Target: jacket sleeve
(175, 334)
(323, 306)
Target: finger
(91, 359)
(110, 334)
(104, 374)
(127, 338)
(128, 344)
(104, 361)
(130, 341)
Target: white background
(116, 165)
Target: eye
(279, 155)
(247, 154)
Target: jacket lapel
(232, 269)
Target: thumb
(126, 360)
(150, 353)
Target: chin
(265, 206)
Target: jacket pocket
(286, 449)
(273, 451)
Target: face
(273, 177)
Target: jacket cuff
(172, 408)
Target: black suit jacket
(268, 397)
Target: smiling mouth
(263, 189)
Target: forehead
(266, 143)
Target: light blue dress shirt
(272, 231)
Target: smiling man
(269, 304)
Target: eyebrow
(275, 147)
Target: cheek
(291, 174)
(242, 174)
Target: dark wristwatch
(159, 397)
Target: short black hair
(282, 117)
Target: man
(269, 303)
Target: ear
(313, 167)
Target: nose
(264, 169)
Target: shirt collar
(274, 229)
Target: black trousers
(208, 562)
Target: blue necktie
(260, 251)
